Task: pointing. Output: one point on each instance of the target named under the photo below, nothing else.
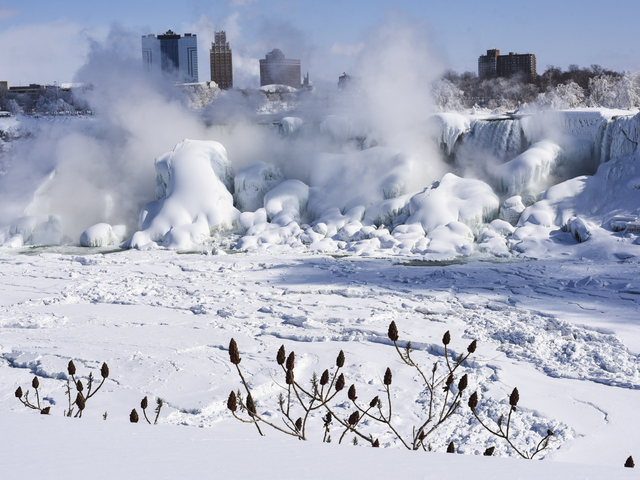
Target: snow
(102, 234)
(563, 333)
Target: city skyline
(327, 44)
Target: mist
(101, 169)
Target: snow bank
(253, 182)
(193, 199)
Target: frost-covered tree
(627, 91)
(447, 96)
(601, 92)
(200, 95)
(14, 107)
(563, 96)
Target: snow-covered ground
(563, 332)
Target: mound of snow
(193, 183)
(343, 128)
(253, 182)
(102, 235)
(287, 202)
(454, 199)
(388, 212)
(578, 228)
(529, 171)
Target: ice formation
(102, 235)
(193, 198)
(253, 182)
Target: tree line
(555, 88)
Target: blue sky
(46, 41)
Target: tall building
(275, 69)
(495, 65)
(171, 52)
(221, 61)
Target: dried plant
(24, 398)
(81, 397)
(144, 404)
(629, 463)
(504, 431)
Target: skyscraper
(275, 69)
(170, 52)
(221, 61)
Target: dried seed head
(340, 383)
(448, 382)
(473, 401)
(472, 347)
(251, 407)
(393, 332)
(489, 451)
(340, 360)
(71, 368)
(451, 448)
(446, 339)
(80, 401)
(422, 436)
(462, 384)
(388, 377)
(79, 386)
(19, 392)
(354, 418)
(35, 383)
(376, 443)
(232, 403)
(299, 424)
(629, 463)
(374, 402)
(104, 370)
(324, 378)
(514, 398)
(291, 361)
(133, 416)
(549, 433)
(280, 357)
(327, 419)
(234, 354)
(352, 393)
(144, 403)
(289, 377)
(45, 411)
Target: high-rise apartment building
(275, 69)
(495, 65)
(221, 61)
(171, 52)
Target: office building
(172, 53)
(495, 65)
(276, 69)
(221, 61)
